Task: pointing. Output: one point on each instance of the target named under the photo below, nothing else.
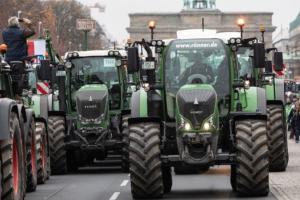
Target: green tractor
(193, 110)
(17, 141)
(38, 102)
(40, 98)
(267, 79)
(95, 98)
(277, 126)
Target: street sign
(85, 24)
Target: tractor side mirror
(278, 61)
(44, 70)
(269, 68)
(133, 60)
(259, 55)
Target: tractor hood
(92, 103)
(196, 103)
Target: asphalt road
(111, 184)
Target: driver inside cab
(198, 72)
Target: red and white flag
(36, 47)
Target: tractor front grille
(91, 104)
(196, 105)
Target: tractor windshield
(196, 61)
(95, 70)
(245, 62)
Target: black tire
(125, 141)
(31, 159)
(252, 159)
(167, 179)
(48, 164)
(13, 179)
(277, 139)
(42, 152)
(145, 162)
(58, 152)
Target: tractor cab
(196, 63)
(95, 97)
(95, 71)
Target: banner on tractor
(37, 48)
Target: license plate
(61, 73)
(148, 65)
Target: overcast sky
(115, 19)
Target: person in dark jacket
(291, 122)
(16, 40)
(296, 122)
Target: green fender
(253, 100)
(139, 104)
(275, 92)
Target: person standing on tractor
(16, 40)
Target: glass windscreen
(95, 70)
(197, 61)
(245, 67)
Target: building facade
(192, 16)
(288, 41)
(294, 47)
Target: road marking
(124, 183)
(115, 196)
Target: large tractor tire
(42, 152)
(145, 162)
(31, 159)
(125, 141)
(252, 160)
(58, 152)
(277, 139)
(12, 163)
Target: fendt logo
(90, 106)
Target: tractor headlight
(206, 126)
(99, 120)
(232, 41)
(187, 126)
(146, 86)
(247, 84)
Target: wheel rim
(33, 156)
(15, 163)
